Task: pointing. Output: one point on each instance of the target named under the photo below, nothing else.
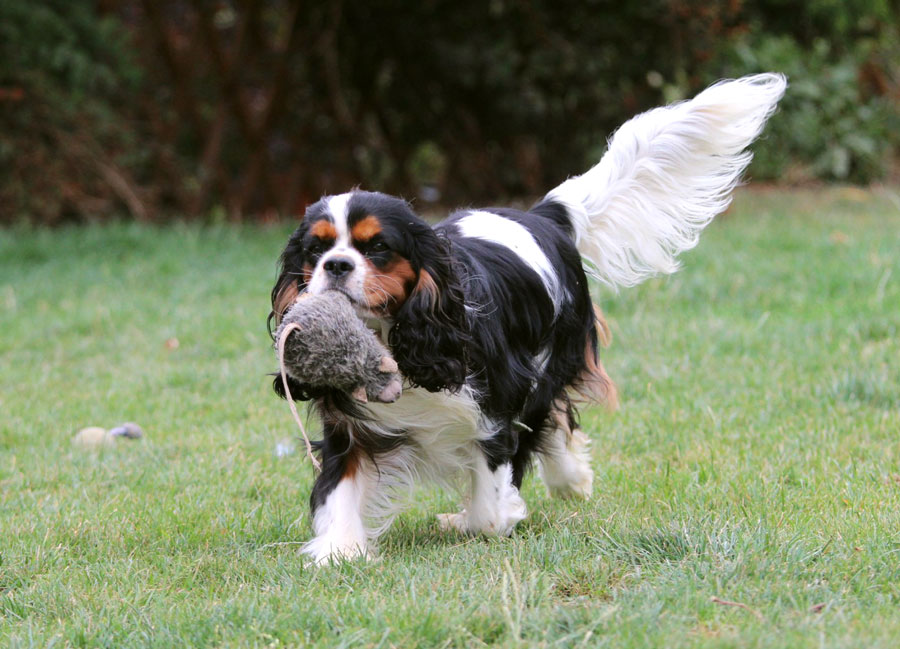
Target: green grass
(755, 457)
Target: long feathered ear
(288, 286)
(430, 335)
(290, 282)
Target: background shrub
(256, 107)
(840, 118)
(68, 78)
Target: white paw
(512, 511)
(496, 523)
(581, 487)
(325, 549)
(458, 522)
(567, 472)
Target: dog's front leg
(337, 502)
(494, 505)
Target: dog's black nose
(339, 266)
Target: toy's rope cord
(288, 329)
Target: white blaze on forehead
(353, 282)
(338, 207)
(505, 232)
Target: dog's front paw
(458, 522)
(498, 524)
(326, 549)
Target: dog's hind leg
(564, 458)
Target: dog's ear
(291, 281)
(299, 391)
(430, 335)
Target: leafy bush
(258, 106)
(65, 73)
(828, 125)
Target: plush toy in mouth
(327, 345)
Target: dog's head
(393, 267)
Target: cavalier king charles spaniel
(489, 317)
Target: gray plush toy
(333, 348)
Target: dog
(489, 317)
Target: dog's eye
(375, 247)
(316, 248)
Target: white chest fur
(441, 428)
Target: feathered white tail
(665, 175)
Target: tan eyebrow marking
(366, 228)
(323, 229)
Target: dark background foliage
(251, 108)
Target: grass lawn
(747, 492)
